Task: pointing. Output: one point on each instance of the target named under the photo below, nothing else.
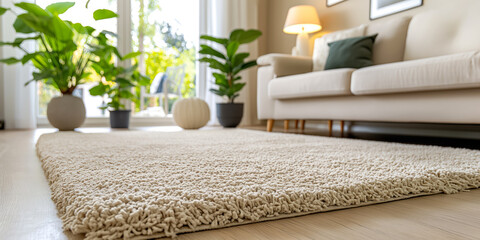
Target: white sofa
(426, 69)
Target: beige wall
(344, 15)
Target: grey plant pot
(120, 118)
(66, 112)
(229, 114)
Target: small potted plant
(228, 67)
(115, 81)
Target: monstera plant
(228, 64)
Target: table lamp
(302, 20)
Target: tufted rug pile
(145, 184)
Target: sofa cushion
(351, 53)
(446, 72)
(444, 31)
(315, 84)
(321, 48)
(390, 43)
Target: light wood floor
(26, 211)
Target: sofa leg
(285, 125)
(302, 125)
(342, 125)
(296, 124)
(330, 126)
(270, 123)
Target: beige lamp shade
(303, 18)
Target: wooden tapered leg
(342, 124)
(302, 125)
(285, 125)
(270, 123)
(330, 126)
(296, 124)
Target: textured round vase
(66, 112)
(229, 114)
(191, 113)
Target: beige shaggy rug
(146, 184)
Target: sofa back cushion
(321, 48)
(390, 43)
(444, 31)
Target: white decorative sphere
(191, 113)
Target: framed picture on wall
(382, 8)
(333, 2)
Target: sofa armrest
(284, 65)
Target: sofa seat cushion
(315, 84)
(438, 73)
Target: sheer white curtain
(218, 18)
(18, 100)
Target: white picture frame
(334, 2)
(382, 8)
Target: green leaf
(98, 90)
(132, 55)
(79, 28)
(42, 24)
(243, 36)
(222, 41)
(46, 74)
(21, 27)
(30, 56)
(244, 66)
(59, 7)
(10, 61)
(215, 64)
(33, 9)
(3, 10)
(89, 29)
(218, 92)
(239, 58)
(123, 82)
(207, 50)
(61, 30)
(232, 49)
(126, 94)
(221, 80)
(101, 14)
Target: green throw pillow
(351, 53)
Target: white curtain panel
(218, 18)
(18, 100)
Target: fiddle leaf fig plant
(228, 63)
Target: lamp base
(303, 45)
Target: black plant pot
(119, 118)
(229, 114)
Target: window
(166, 31)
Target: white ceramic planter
(66, 112)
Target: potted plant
(115, 81)
(59, 61)
(62, 57)
(228, 65)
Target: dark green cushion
(354, 52)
